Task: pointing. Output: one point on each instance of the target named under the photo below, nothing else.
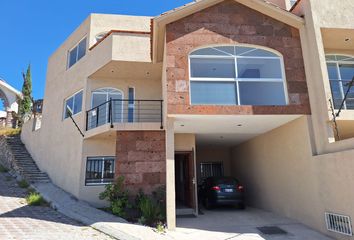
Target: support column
(9, 119)
(170, 175)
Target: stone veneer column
(141, 159)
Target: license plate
(229, 190)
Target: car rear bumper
(228, 201)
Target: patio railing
(125, 111)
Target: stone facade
(232, 23)
(141, 159)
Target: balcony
(127, 114)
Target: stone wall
(6, 156)
(141, 159)
(231, 23)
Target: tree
(25, 105)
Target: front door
(185, 180)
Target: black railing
(125, 111)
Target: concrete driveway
(233, 224)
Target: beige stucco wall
(57, 147)
(280, 174)
(219, 154)
(99, 146)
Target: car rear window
(228, 181)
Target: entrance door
(185, 180)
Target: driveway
(233, 224)
(20, 221)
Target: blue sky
(32, 29)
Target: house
(9, 97)
(238, 87)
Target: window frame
(222, 168)
(339, 74)
(103, 159)
(77, 52)
(105, 91)
(237, 80)
(73, 96)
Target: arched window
(237, 75)
(100, 100)
(341, 72)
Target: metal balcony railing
(125, 111)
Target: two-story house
(241, 88)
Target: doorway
(185, 181)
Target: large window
(236, 75)
(340, 72)
(76, 53)
(99, 170)
(73, 104)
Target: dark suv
(216, 191)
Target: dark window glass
(77, 52)
(131, 105)
(100, 170)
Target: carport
(258, 150)
(212, 146)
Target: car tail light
(239, 188)
(216, 188)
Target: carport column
(170, 175)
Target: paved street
(22, 222)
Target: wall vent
(338, 223)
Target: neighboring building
(9, 97)
(235, 87)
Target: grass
(9, 131)
(35, 199)
(3, 169)
(23, 183)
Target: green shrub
(3, 169)
(117, 197)
(23, 183)
(160, 227)
(35, 199)
(150, 211)
(10, 131)
(152, 208)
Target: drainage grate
(271, 230)
(338, 223)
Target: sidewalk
(100, 220)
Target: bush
(117, 197)
(10, 131)
(3, 169)
(35, 199)
(23, 183)
(152, 208)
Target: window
(99, 170)
(99, 100)
(211, 170)
(131, 92)
(73, 104)
(77, 52)
(341, 71)
(292, 2)
(236, 75)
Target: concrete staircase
(24, 162)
